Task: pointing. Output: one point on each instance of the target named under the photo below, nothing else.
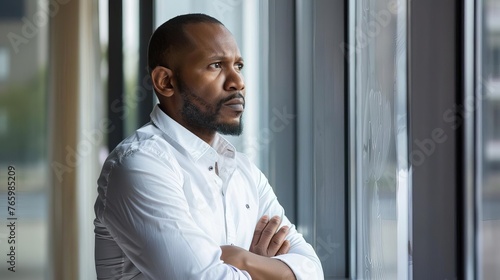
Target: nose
(234, 81)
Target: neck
(203, 133)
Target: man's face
(209, 84)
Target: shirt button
(210, 168)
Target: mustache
(232, 96)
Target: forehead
(210, 39)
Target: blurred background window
(489, 141)
(24, 137)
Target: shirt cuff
(241, 273)
(302, 267)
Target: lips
(237, 104)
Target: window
(24, 137)
(381, 183)
(488, 135)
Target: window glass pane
(489, 129)
(133, 92)
(24, 139)
(382, 188)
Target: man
(176, 201)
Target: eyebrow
(224, 57)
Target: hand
(266, 241)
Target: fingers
(277, 241)
(269, 231)
(285, 248)
(267, 239)
(261, 224)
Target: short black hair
(170, 35)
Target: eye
(239, 66)
(216, 65)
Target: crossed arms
(267, 242)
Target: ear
(163, 81)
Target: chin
(230, 128)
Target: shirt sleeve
(302, 259)
(147, 214)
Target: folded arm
(267, 242)
(259, 267)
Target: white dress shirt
(163, 211)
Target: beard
(206, 118)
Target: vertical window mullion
(116, 112)
(146, 26)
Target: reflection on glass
(490, 147)
(381, 140)
(24, 138)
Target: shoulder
(146, 149)
(250, 169)
(245, 163)
(147, 140)
(140, 163)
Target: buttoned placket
(217, 176)
(226, 168)
(220, 172)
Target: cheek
(204, 100)
(211, 93)
(209, 87)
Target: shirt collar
(195, 147)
